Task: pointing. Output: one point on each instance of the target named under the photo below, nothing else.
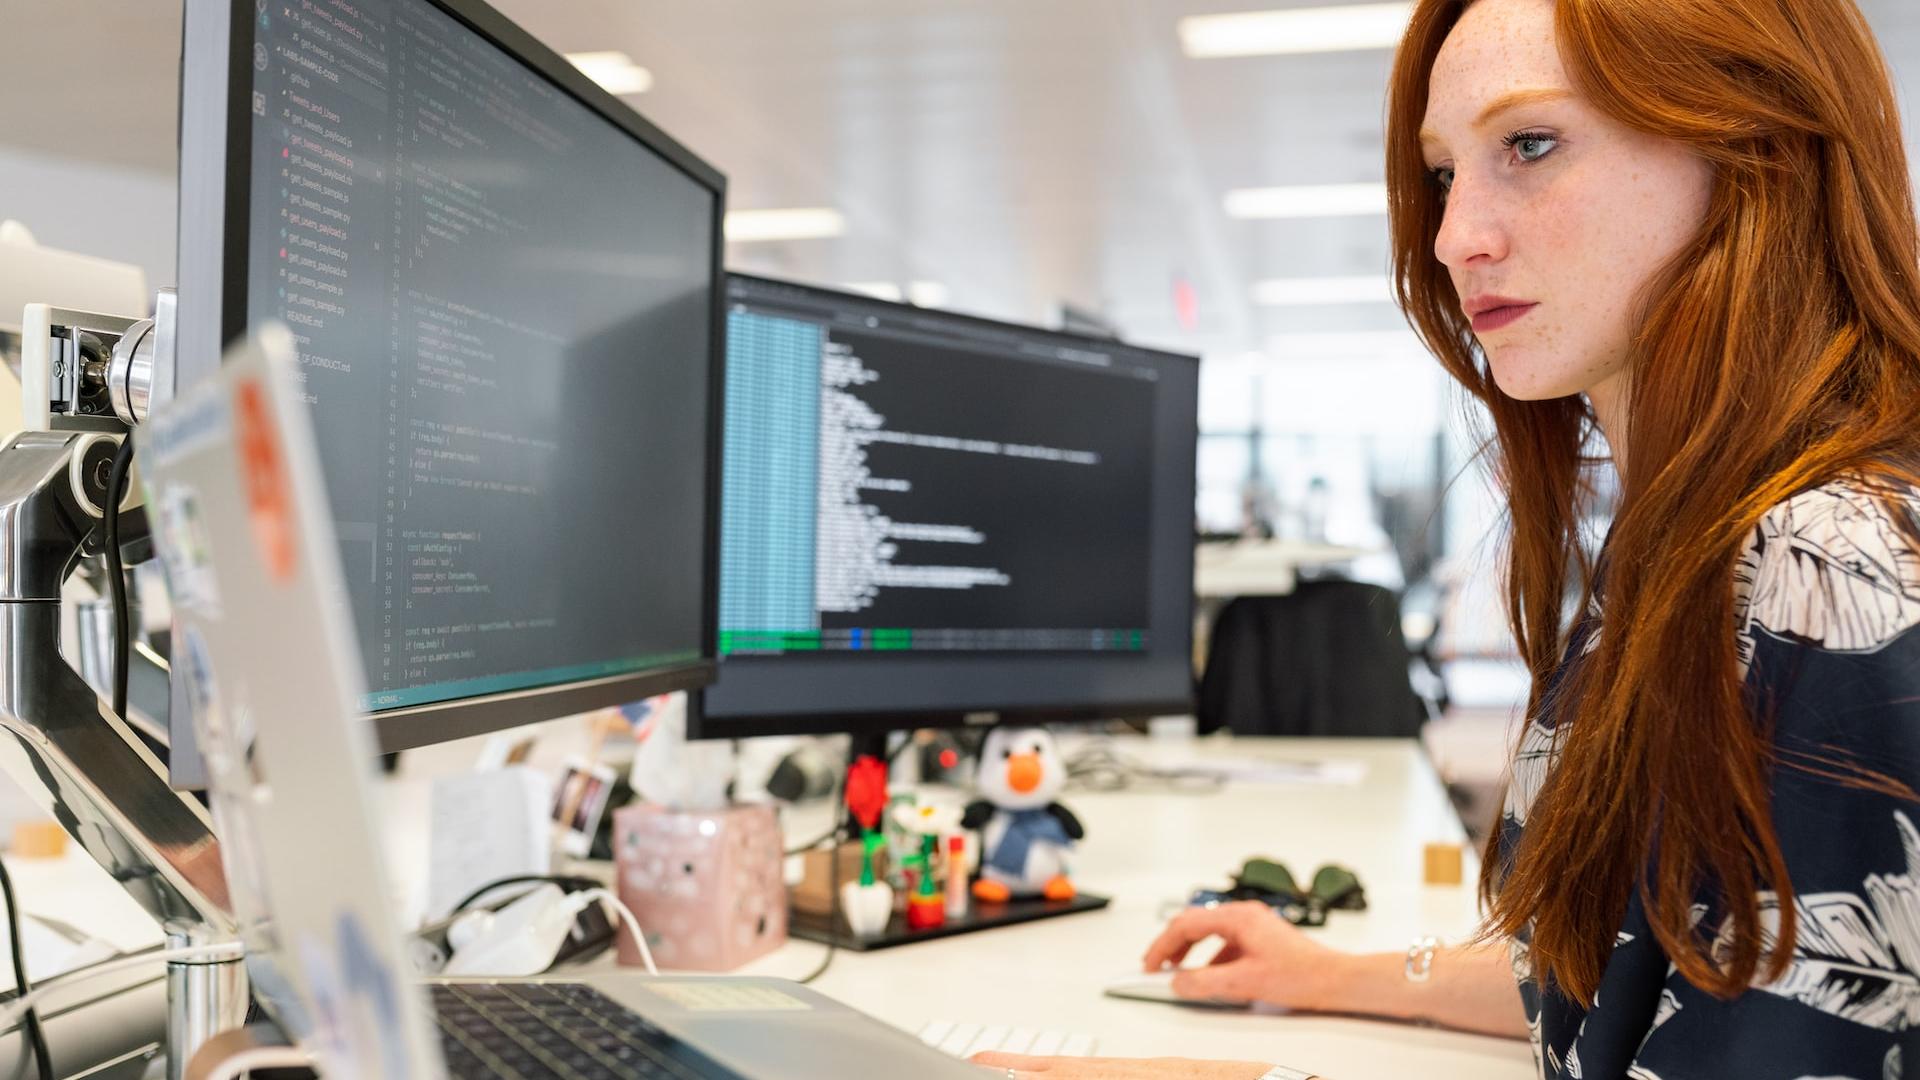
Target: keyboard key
(965, 1040)
(935, 1032)
(988, 1039)
(1077, 1046)
(1048, 1043)
(959, 1039)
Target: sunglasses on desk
(1334, 888)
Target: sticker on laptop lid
(263, 469)
(194, 668)
(186, 551)
(192, 424)
(357, 1020)
(704, 996)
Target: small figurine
(927, 822)
(867, 904)
(956, 883)
(1026, 834)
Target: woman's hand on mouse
(1263, 958)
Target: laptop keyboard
(557, 1031)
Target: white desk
(1147, 848)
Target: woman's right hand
(1262, 958)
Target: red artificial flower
(867, 790)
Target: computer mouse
(1158, 986)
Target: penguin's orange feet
(1058, 889)
(991, 892)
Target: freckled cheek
(1556, 242)
(1544, 357)
(1605, 244)
(1651, 231)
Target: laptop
(239, 516)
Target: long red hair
(1776, 352)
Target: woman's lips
(1495, 318)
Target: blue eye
(1530, 145)
(1443, 177)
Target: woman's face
(1557, 217)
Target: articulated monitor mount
(86, 379)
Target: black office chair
(1327, 659)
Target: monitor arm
(85, 766)
(88, 769)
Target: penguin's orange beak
(1023, 772)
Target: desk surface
(1147, 849)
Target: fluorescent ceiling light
(879, 290)
(1305, 292)
(1307, 201)
(616, 72)
(1298, 30)
(813, 223)
(928, 294)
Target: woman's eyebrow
(1512, 99)
(1516, 98)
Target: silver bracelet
(1281, 1072)
(1420, 958)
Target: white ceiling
(1020, 152)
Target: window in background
(1346, 449)
(1225, 475)
(1379, 492)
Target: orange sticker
(269, 497)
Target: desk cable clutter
(524, 937)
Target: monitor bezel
(986, 710)
(215, 167)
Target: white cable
(235, 1066)
(633, 924)
(15, 1010)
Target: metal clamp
(130, 373)
(205, 995)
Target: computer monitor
(929, 518)
(506, 290)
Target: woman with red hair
(1683, 231)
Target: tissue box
(706, 886)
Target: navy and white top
(1827, 597)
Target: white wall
(121, 214)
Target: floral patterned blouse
(1827, 597)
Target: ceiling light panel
(1340, 28)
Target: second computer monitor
(926, 516)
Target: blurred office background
(1210, 186)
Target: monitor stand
(828, 929)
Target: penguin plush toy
(1025, 834)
